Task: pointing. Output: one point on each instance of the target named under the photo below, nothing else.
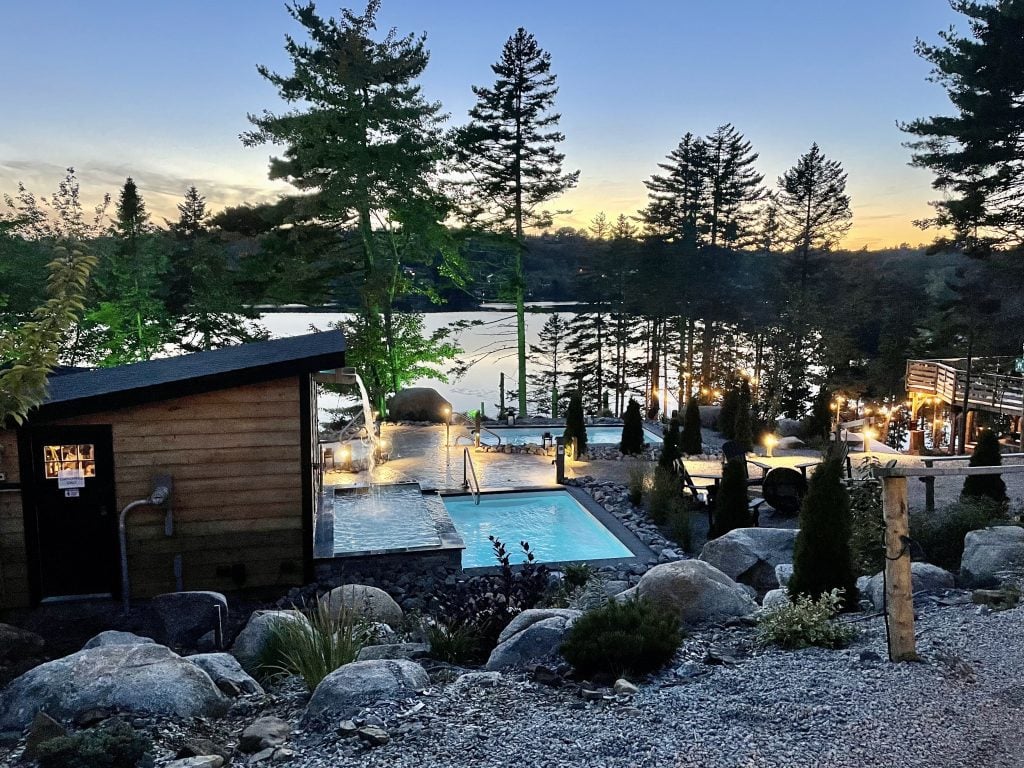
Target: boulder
(368, 602)
(477, 680)
(532, 616)
(750, 555)
(17, 643)
(393, 651)
(695, 591)
(199, 761)
(539, 641)
(226, 673)
(113, 637)
(252, 641)
(788, 427)
(775, 598)
(989, 552)
(129, 678)
(419, 404)
(790, 443)
(783, 573)
(265, 733)
(187, 616)
(353, 686)
(924, 577)
(43, 729)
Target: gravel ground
(773, 708)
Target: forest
(723, 276)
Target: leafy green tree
(363, 145)
(509, 154)
(670, 445)
(575, 424)
(822, 559)
(690, 442)
(986, 454)
(731, 510)
(632, 442)
(976, 153)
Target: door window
(79, 458)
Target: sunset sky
(159, 90)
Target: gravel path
(786, 709)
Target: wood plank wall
(14, 589)
(235, 459)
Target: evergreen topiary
(986, 454)
(690, 442)
(731, 509)
(819, 423)
(822, 560)
(632, 430)
(575, 426)
(670, 445)
(633, 637)
(727, 414)
(743, 429)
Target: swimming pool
(384, 518)
(557, 527)
(535, 435)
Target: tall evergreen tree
(690, 442)
(743, 428)
(548, 358)
(509, 152)
(362, 144)
(632, 441)
(677, 197)
(670, 445)
(734, 187)
(575, 424)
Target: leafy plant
(115, 744)
(680, 526)
(665, 491)
(457, 643)
(578, 574)
(330, 636)
(631, 637)
(941, 534)
(637, 479)
(805, 622)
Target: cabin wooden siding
(14, 587)
(235, 459)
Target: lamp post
(869, 435)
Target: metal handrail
(467, 460)
(492, 432)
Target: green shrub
(690, 441)
(731, 509)
(805, 622)
(456, 643)
(115, 744)
(867, 527)
(819, 423)
(743, 425)
(822, 560)
(664, 492)
(670, 445)
(941, 534)
(632, 442)
(638, 477)
(578, 574)
(634, 637)
(680, 526)
(575, 425)
(314, 648)
(986, 454)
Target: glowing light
(770, 441)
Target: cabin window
(79, 458)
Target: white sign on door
(71, 478)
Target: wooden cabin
(234, 428)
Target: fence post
(899, 595)
(929, 488)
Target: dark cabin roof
(101, 389)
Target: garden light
(770, 441)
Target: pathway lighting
(770, 441)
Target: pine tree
(986, 454)
(727, 412)
(575, 425)
(509, 152)
(670, 445)
(734, 187)
(677, 198)
(731, 510)
(743, 429)
(822, 560)
(690, 442)
(819, 424)
(632, 442)
(362, 145)
(548, 359)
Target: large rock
(251, 643)
(17, 643)
(789, 427)
(695, 591)
(539, 640)
(419, 404)
(924, 577)
(353, 686)
(112, 637)
(775, 598)
(990, 552)
(750, 555)
(128, 678)
(532, 616)
(393, 651)
(187, 616)
(265, 733)
(226, 673)
(368, 602)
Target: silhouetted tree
(632, 442)
(670, 445)
(575, 424)
(743, 429)
(691, 442)
(986, 454)
(731, 510)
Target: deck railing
(468, 471)
(996, 392)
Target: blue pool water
(535, 435)
(557, 527)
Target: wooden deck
(946, 379)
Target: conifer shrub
(670, 445)
(633, 637)
(114, 744)
(731, 509)
(727, 413)
(940, 534)
(819, 423)
(822, 560)
(805, 622)
(632, 442)
(575, 425)
(743, 426)
(867, 527)
(690, 441)
(986, 454)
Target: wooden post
(929, 488)
(899, 595)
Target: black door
(75, 510)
